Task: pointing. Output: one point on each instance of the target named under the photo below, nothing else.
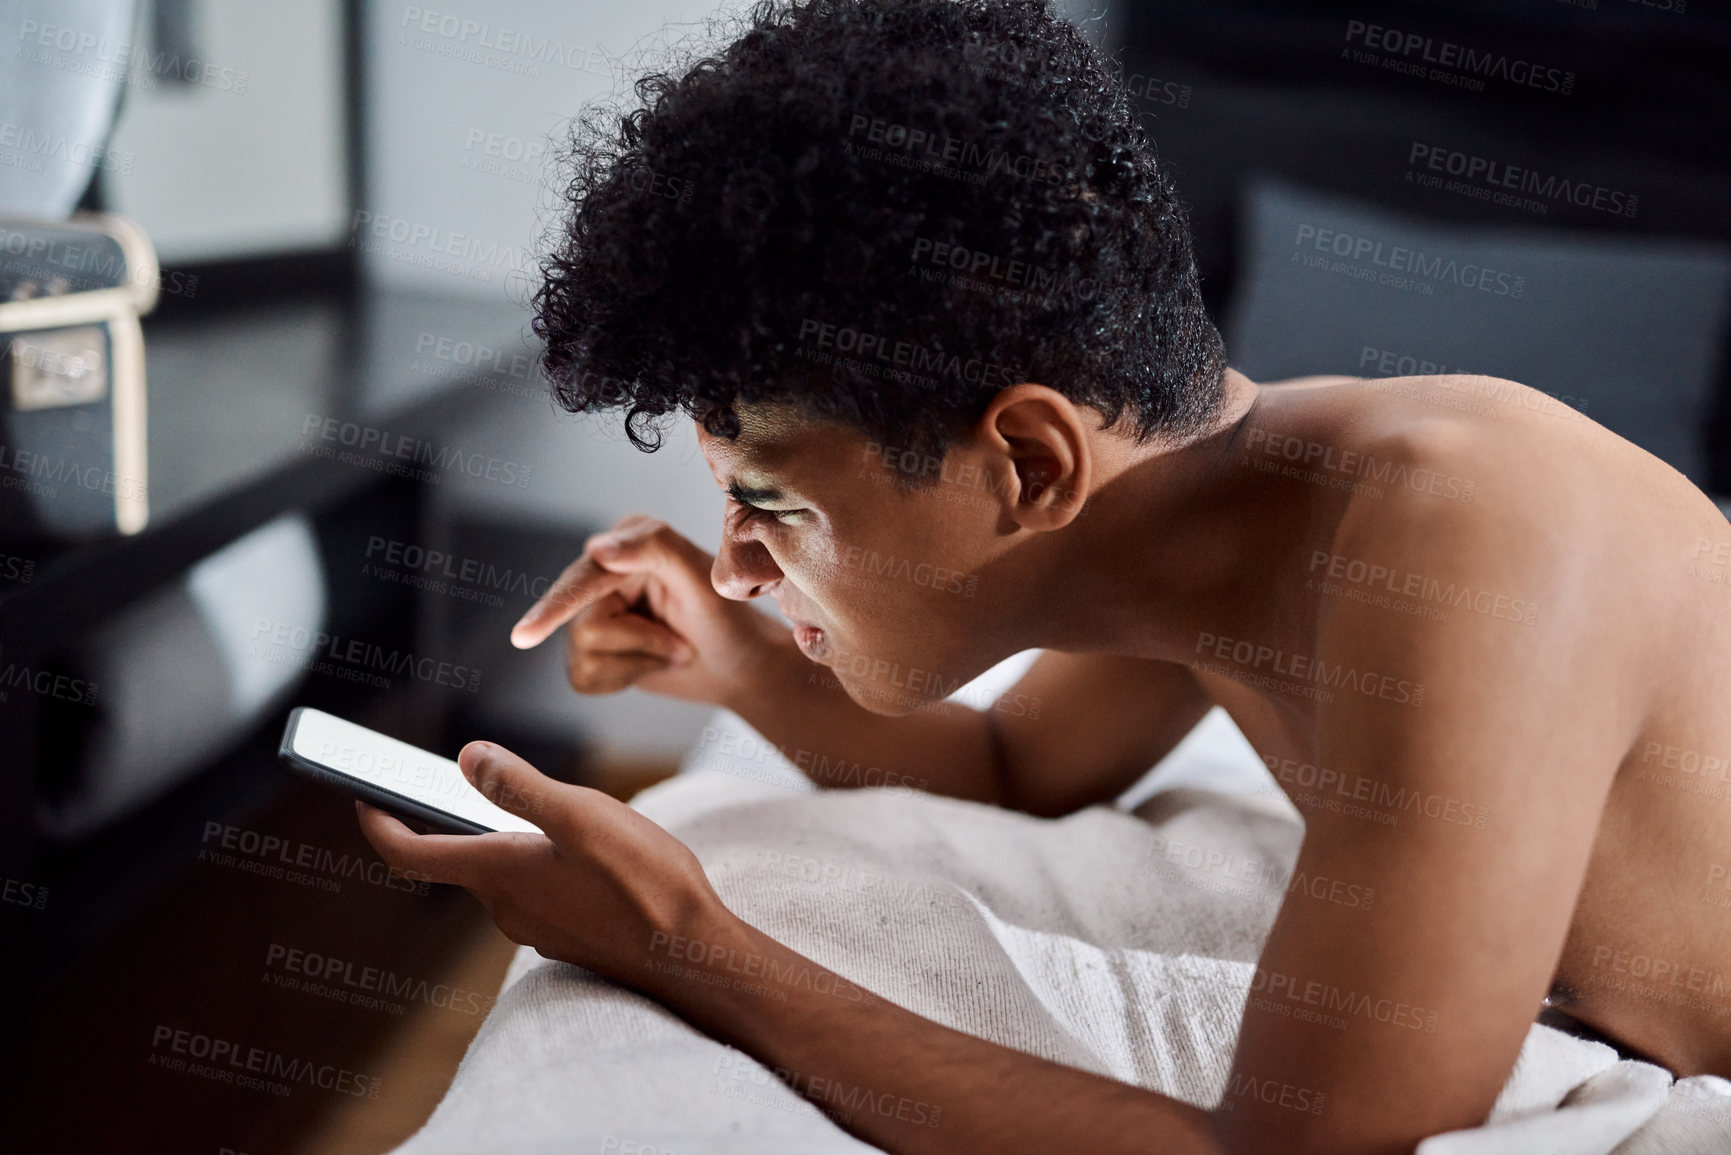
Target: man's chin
(877, 698)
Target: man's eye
(780, 516)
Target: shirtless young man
(1514, 615)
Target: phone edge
(370, 793)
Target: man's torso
(1643, 572)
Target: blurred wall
(467, 110)
(468, 98)
(235, 146)
(468, 104)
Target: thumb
(512, 785)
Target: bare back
(1423, 507)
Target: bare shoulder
(1483, 494)
(1473, 460)
(1518, 535)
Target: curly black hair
(881, 212)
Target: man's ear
(1043, 447)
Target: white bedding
(1077, 939)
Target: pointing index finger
(582, 583)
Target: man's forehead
(770, 423)
(770, 436)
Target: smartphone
(394, 776)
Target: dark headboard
(1628, 99)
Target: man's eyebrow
(753, 495)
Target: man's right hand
(643, 612)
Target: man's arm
(1464, 765)
(606, 889)
(902, 1082)
(1075, 730)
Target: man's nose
(743, 570)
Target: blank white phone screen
(399, 768)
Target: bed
(1120, 939)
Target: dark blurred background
(345, 198)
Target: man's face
(893, 589)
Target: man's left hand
(593, 889)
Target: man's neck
(1164, 547)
